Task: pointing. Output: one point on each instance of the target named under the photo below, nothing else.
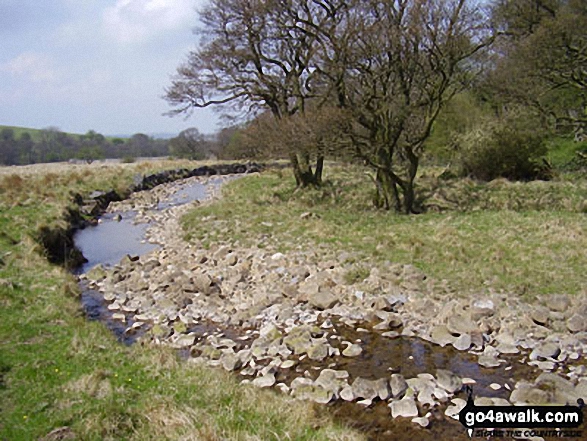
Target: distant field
(36, 133)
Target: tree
(544, 65)
(189, 144)
(257, 55)
(25, 147)
(8, 147)
(407, 60)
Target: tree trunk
(319, 169)
(302, 170)
(387, 194)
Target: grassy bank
(63, 377)
(527, 239)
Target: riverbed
(382, 355)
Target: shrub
(502, 149)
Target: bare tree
(255, 55)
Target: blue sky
(95, 64)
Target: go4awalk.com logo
(537, 421)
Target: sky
(98, 65)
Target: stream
(118, 235)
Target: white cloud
(136, 21)
(32, 66)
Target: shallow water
(110, 240)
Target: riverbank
(64, 377)
(323, 321)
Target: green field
(525, 239)
(37, 133)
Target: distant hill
(46, 145)
(162, 135)
(36, 133)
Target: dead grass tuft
(96, 385)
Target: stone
(119, 316)
(323, 299)
(488, 361)
(185, 341)
(305, 389)
(463, 343)
(461, 324)
(440, 394)
(425, 396)
(564, 392)
(270, 332)
(288, 364)
(577, 323)
(483, 401)
(390, 320)
(347, 393)
(457, 405)
(352, 350)
(266, 380)
(507, 348)
(421, 421)
(318, 351)
(230, 362)
(560, 303)
(363, 388)
(442, 336)
(448, 381)
(545, 350)
(299, 339)
(540, 315)
(405, 407)
(581, 389)
(398, 385)
(527, 394)
(331, 380)
(202, 282)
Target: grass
(562, 152)
(523, 239)
(61, 375)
